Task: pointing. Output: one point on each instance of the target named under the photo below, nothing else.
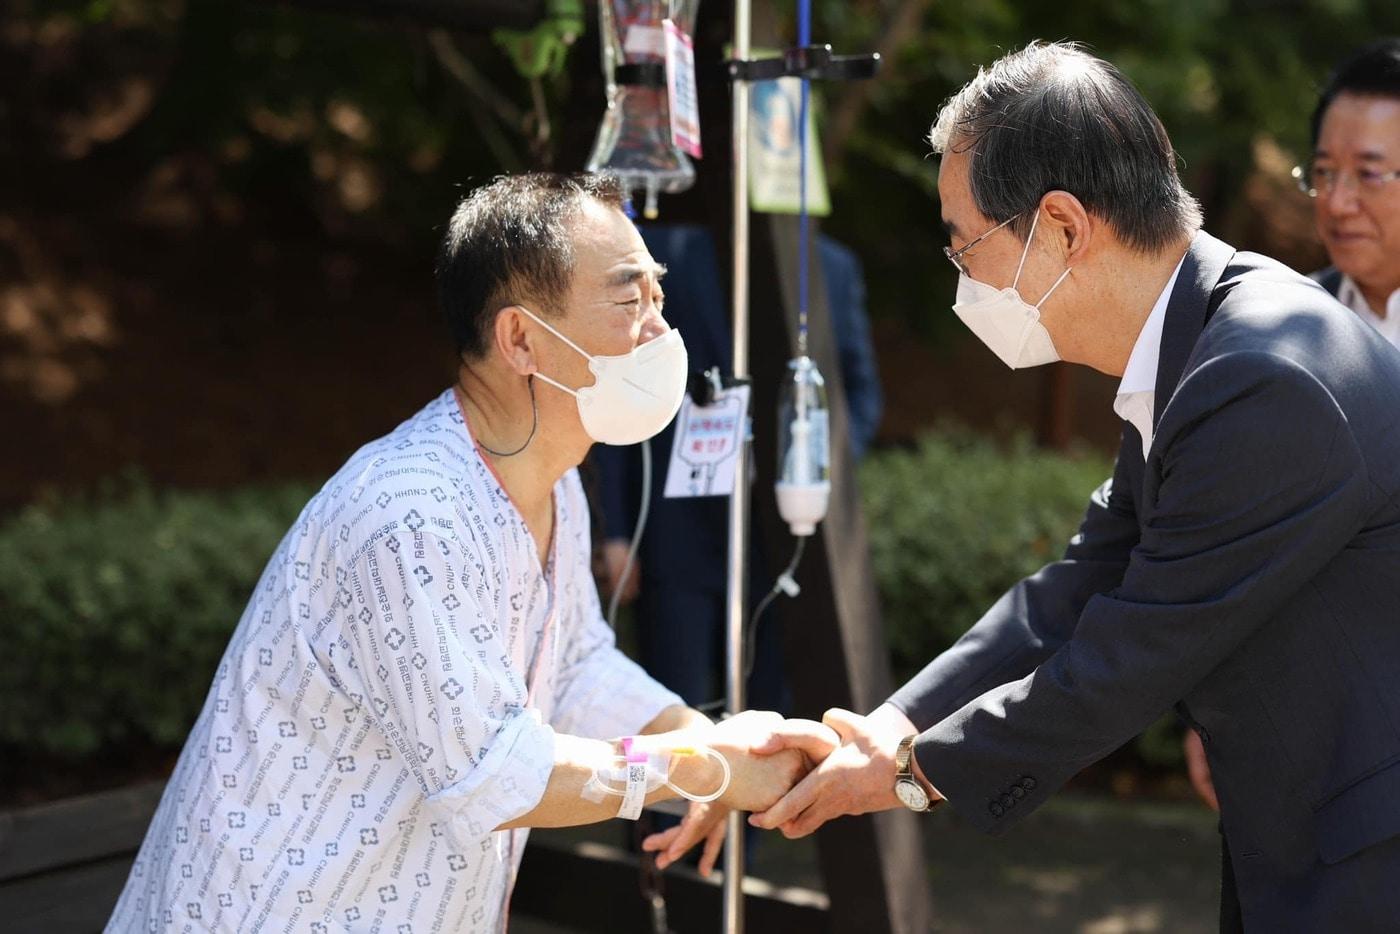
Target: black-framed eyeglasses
(953, 254)
(1313, 179)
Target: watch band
(904, 757)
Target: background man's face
(1360, 227)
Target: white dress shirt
(1389, 326)
(388, 699)
(1137, 392)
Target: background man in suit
(1354, 179)
(1241, 562)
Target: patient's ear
(514, 341)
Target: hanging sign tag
(706, 441)
(775, 151)
(680, 89)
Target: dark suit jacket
(1329, 278)
(687, 539)
(1249, 572)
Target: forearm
(677, 717)
(575, 762)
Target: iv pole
(739, 499)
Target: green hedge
(117, 607)
(957, 520)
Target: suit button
(1028, 783)
(997, 810)
(1018, 792)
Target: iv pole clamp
(814, 62)
(810, 62)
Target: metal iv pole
(739, 499)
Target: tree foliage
(206, 112)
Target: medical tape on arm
(643, 768)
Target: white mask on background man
(1004, 321)
(634, 395)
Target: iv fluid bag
(804, 448)
(634, 140)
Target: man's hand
(614, 562)
(1199, 769)
(764, 770)
(856, 778)
(758, 778)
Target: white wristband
(636, 794)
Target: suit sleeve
(1259, 485)
(1037, 616)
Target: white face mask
(634, 395)
(1006, 322)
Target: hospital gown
(389, 697)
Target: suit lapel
(1188, 309)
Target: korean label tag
(706, 441)
(680, 89)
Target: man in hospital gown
(423, 672)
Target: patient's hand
(758, 780)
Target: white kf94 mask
(634, 395)
(1004, 321)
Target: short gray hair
(1052, 117)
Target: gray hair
(1052, 117)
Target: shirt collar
(1136, 400)
(1349, 294)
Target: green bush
(116, 609)
(957, 520)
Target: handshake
(795, 775)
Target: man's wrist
(919, 776)
(888, 717)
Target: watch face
(911, 795)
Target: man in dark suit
(1354, 179)
(680, 590)
(1243, 562)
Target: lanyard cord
(804, 235)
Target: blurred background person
(1354, 180)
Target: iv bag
(634, 139)
(804, 448)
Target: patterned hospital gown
(389, 697)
